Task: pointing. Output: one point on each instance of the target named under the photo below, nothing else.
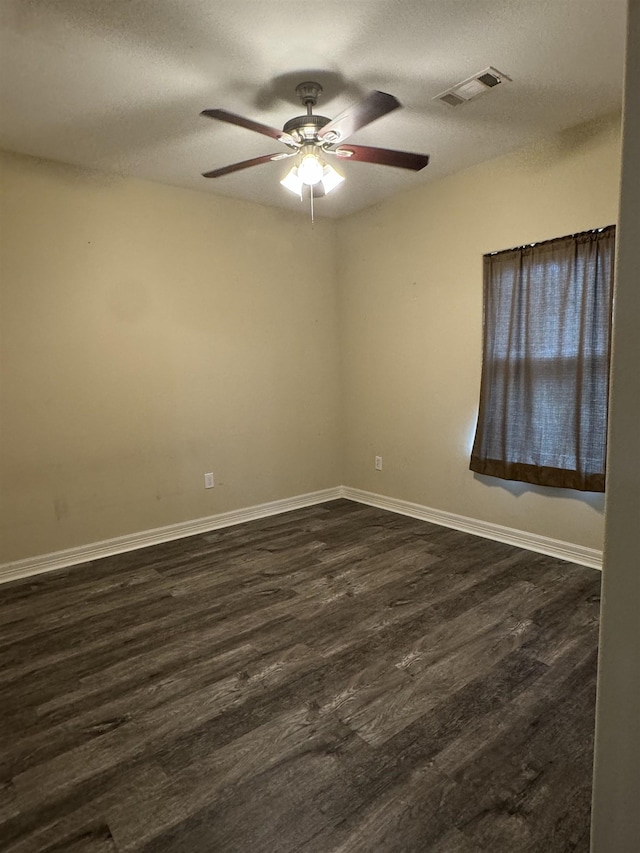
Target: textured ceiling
(118, 85)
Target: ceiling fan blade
(245, 164)
(373, 106)
(241, 121)
(382, 156)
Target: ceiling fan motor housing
(305, 128)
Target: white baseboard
(120, 544)
(520, 538)
(107, 548)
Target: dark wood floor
(337, 678)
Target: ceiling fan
(314, 138)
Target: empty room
(319, 405)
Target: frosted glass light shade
(330, 178)
(292, 181)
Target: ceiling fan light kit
(314, 138)
(312, 171)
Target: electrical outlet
(208, 481)
(378, 463)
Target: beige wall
(151, 334)
(410, 275)
(616, 793)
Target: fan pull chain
(311, 197)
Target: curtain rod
(552, 240)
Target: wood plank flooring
(337, 678)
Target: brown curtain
(543, 395)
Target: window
(543, 394)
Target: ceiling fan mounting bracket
(309, 93)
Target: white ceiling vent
(472, 87)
